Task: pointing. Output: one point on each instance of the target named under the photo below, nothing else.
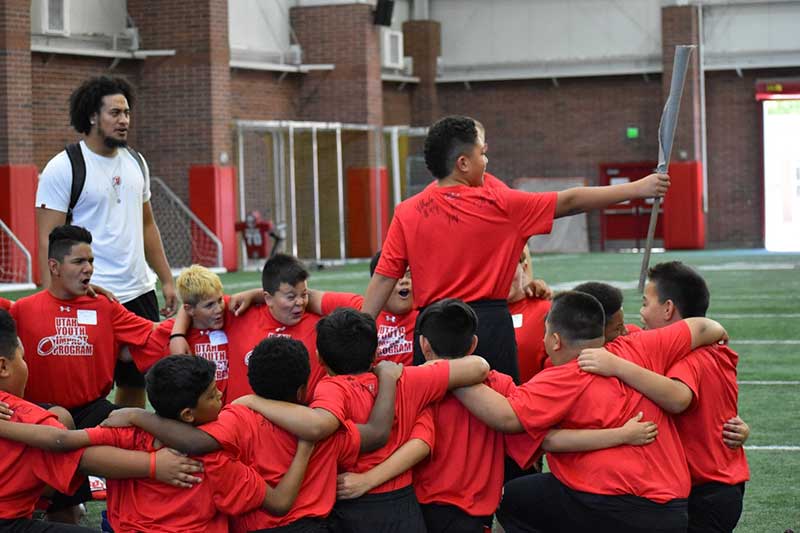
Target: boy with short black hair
(614, 489)
(67, 333)
(25, 472)
(702, 386)
(610, 298)
(279, 369)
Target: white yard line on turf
(755, 315)
(752, 382)
(735, 342)
(778, 448)
(747, 265)
(622, 285)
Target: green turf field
(756, 296)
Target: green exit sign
(632, 132)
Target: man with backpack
(103, 185)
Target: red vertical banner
(17, 210)
(212, 197)
(684, 220)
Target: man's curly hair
(87, 99)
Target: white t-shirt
(110, 207)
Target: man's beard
(111, 142)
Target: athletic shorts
(387, 512)
(303, 525)
(496, 341)
(444, 518)
(715, 507)
(26, 525)
(541, 503)
(125, 372)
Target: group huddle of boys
(418, 457)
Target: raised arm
(579, 199)
(304, 422)
(48, 438)
(378, 291)
(634, 432)
(315, 301)
(490, 407)
(375, 433)
(172, 433)
(705, 331)
(671, 395)
(468, 370)
(279, 501)
(353, 485)
(241, 301)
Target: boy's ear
(557, 345)
(53, 265)
(4, 368)
(189, 309)
(427, 349)
(669, 310)
(301, 394)
(473, 345)
(186, 415)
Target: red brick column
(17, 173)
(422, 40)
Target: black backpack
(79, 173)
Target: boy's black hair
(449, 326)
(683, 285)
(9, 342)
(609, 296)
(177, 382)
(278, 367)
(447, 140)
(282, 268)
(373, 263)
(347, 340)
(576, 316)
(87, 99)
(63, 238)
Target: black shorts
(303, 525)
(91, 414)
(541, 503)
(25, 525)
(443, 518)
(125, 372)
(496, 341)
(388, 512)
(715, 507)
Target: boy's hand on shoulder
(246, 400)
(539, 289)
(174, 468)
(598, 361)
(122, 418)
(638, 433)
(97, 290)
(388, 370)
(735, 432)
(5, 411)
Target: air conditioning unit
(50, 17)
(391, 49)
(294, 55)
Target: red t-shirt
(78, 339)
(351, 397)
(5, 304)
(25, 472)
(566, 397)
(465, 468)
(463, 242)
(228, 488)
(269, 449)
(528, 317)
(211, 344)
(710, 371)
(244, 332)
(395, 332)
(633, 328)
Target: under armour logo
(391, 318)
(64, 309)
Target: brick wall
(397, 106)
(16, 136)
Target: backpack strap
(138, 157)
(78, 176)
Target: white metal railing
(15, 261)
